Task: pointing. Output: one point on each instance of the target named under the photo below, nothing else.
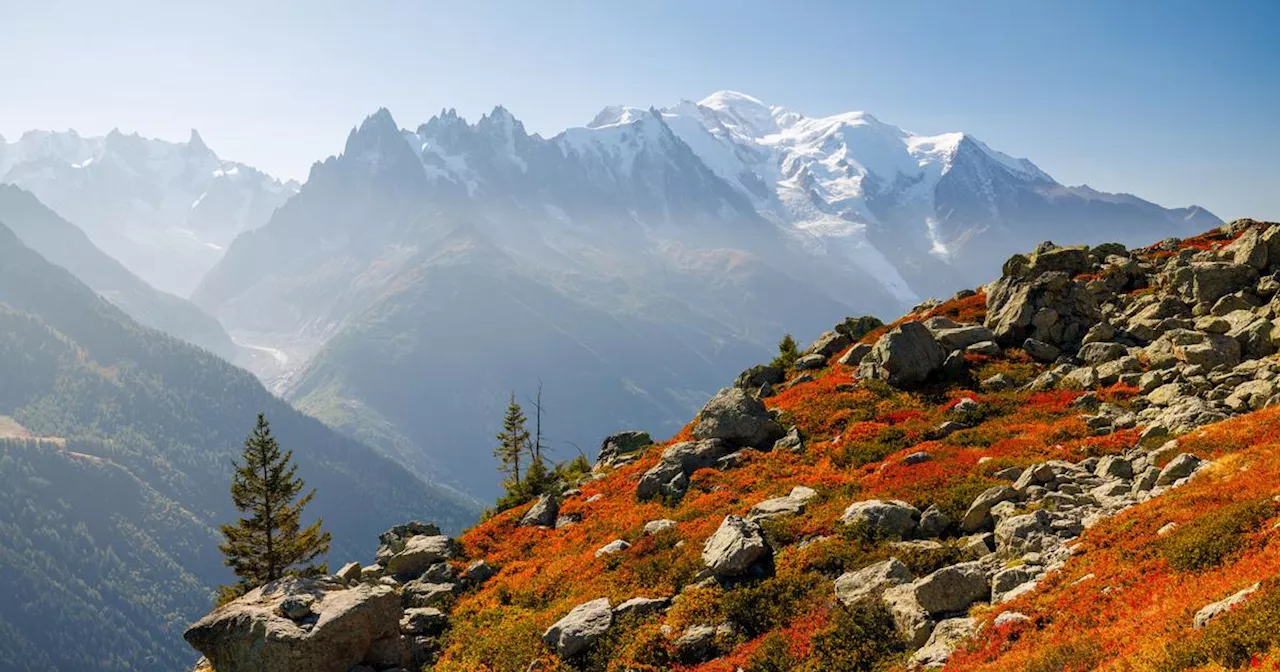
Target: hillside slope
(62, 243)
(1073, 468)
(1075, 402)
(117, 442)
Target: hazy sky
(1177, 102)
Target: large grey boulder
(1207, 281)
(1179, 467)
(912, 622)
(978, 517)
(870, 582)
(419, 554)
(670, 476)
(393, 540)
(946, 637)
(420, 594)
(580, 628)
(737, 418)
(891, 518)
(1037, 297)
(904, 357)
(543, 513)
(735, 546)
(347, 626)
(952, 589)
(828, 344)
(622, 447)
(1212, 611)
(423, 622)
(961, 337)
(756, 376)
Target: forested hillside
(109, 520)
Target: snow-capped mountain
(166, 210)
(423, 272)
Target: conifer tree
(513, 441)
(788, 352)
(269, 543)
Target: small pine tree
(788, 352)
(269, 543)
(513, 441)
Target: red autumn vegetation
(1132, 612)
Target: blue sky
(1177, 102)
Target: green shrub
(1209, 540)
(1079, 656)
(888, 441)
(772, 655)
(1232, 639)
(859, 639)
(756, 609)
(923, 560)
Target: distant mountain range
(166, 210)
(629, 263)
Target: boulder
(855, 355)
(828, 344)
(670, 476)
(934, 523)
(1024, 533)
(776, 508)
(350, 572)
(904, 357)
(1040, 350)
(810, 363)
(952, 589)
(1100, 352)
(419, 554)
(791, 442)
(428, 594)
(621, 447)
(884, 518)
(1179, 467)
(962, 337)
(1212, 611)
(479, 571)
(978, 517)
(870, 582)
(912, 622)
(612, 548)
(697, 644)
(738, 419)
(249, 634)
(754, 377)
(543, 513)
(641, 606)
(427, 621)
(1037, 297)
(658, 526)
(735, 547)
(580, 628)
(945, 639)
(393, 540)
(1113, 466)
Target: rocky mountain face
(116, 444)
(63, 244)
(165, 210)
(1076, 464)
(640, 256)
